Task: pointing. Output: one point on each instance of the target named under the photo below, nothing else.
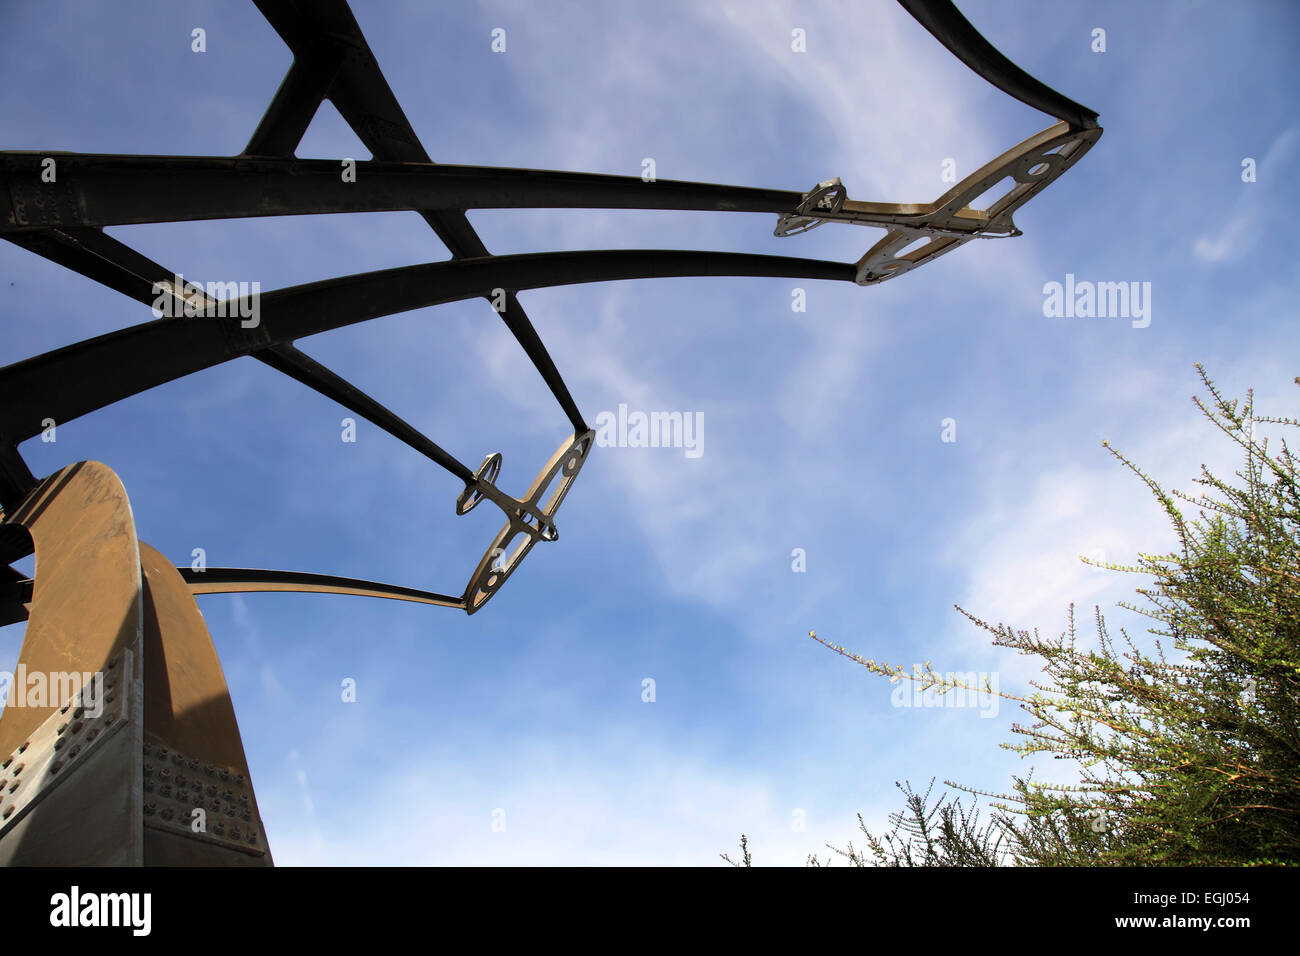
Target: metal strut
(64, 222)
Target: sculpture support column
(119, 740)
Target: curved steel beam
(120, 364)
(358, 90)
(109, 190)
(243, 580)
(16, 589)
(97, 255)
(62, 220)
(303, 368)
(947, 25)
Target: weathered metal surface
(89, 812)
(186, 701)
(192, 739)
(75, 777)
(194, 807)
(86, 604)
(41, 774)
(115, 649)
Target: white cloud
(1020, 549)
(559, 806)
(1228, 243)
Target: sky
(522, 735)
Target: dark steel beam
(120, 364)
(15, 586)
(99, 256)
(303, 368)
(16, 479)
(15, 595)
(366, 102)
(947, 25)
(108, 190)
(296, 101)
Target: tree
(1188, 754)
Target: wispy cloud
(823, 427)
(1240, 233)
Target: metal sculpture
(64, 220)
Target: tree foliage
(1188, 751)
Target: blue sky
(822, 428)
